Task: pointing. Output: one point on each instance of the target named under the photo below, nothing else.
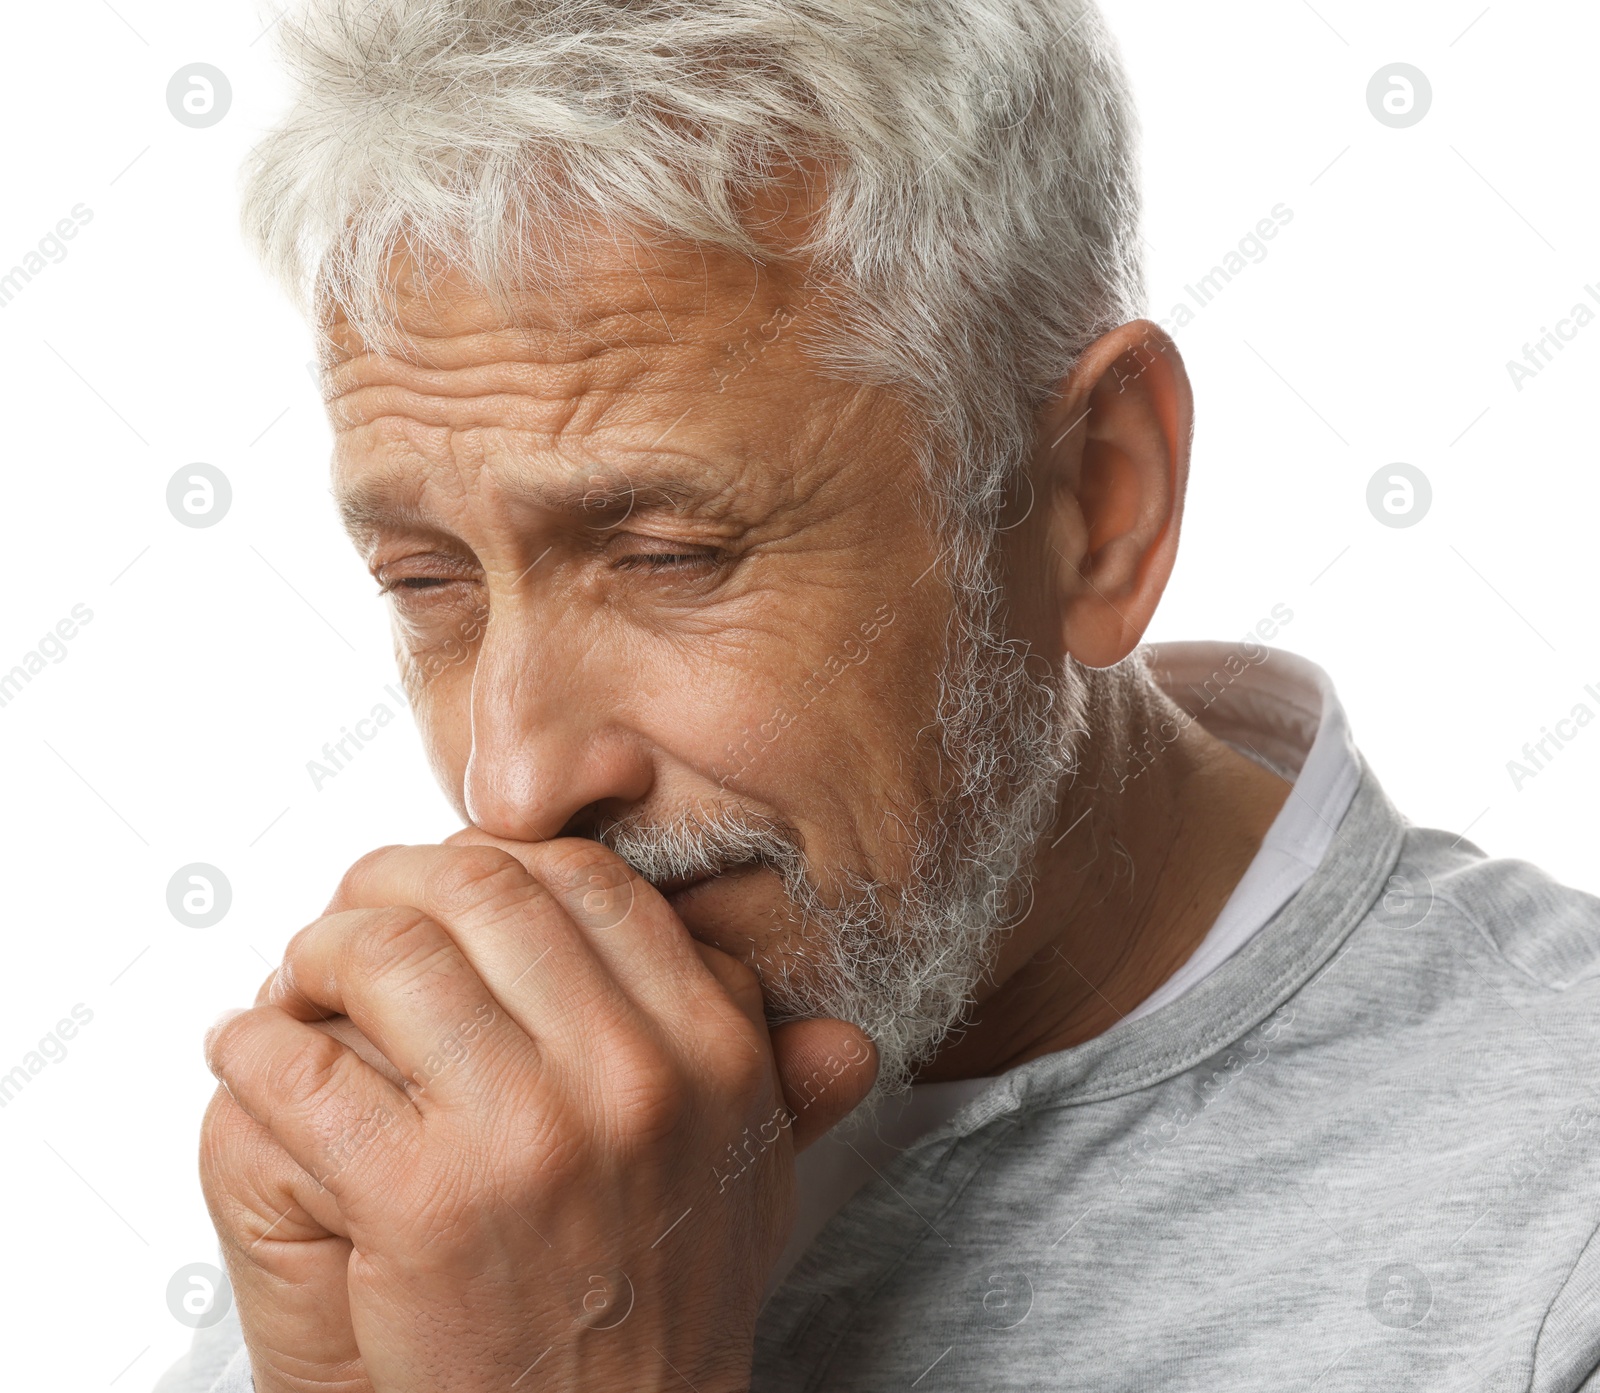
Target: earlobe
(1114, 445)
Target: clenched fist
(499, 1122)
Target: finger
(408, 988)
(283, 1241)
(738, 981)
(519, 939)
(826, 1067)
(707, 1002)
(345, 1029)
(336, 1117)
(630, 927)
(257, 1192)
(340, 1027)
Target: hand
(587, 1173)
(285, 1245)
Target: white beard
(903, 961)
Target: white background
(218, 662)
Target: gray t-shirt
(1364, 1153)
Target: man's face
(648, 565)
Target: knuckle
(226, 1042)
(264, 992)
(474, 877)
(302, 1084)
(598, 886)
(307, 1077)
(392, 935)
(248, 1180)
(227, 1136)
(236, 1153)
(388, 950)
(650, 1100)
(603, 902)
(354, 880)
(573, 859)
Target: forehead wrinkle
(521, 390)
(607, 311)
(517, 401)
(389, 498)
(568, 460)
(627, 482)
(509, 393)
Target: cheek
(837, 737)
(442, 708)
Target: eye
(666, 559)
(409, 585)
(427, 580)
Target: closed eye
(667, 560)
(413, 583)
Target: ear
(1110, 467)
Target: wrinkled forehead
(659, 371)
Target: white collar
(1280, 710)
(1271, 706)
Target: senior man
(744, 406)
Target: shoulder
(1543, 931)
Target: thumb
(825, 1068)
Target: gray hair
(977, 230)
(981, 202)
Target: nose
(551, 743)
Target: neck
(1129, 880)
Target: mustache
(672, 851)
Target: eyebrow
(384, 502)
